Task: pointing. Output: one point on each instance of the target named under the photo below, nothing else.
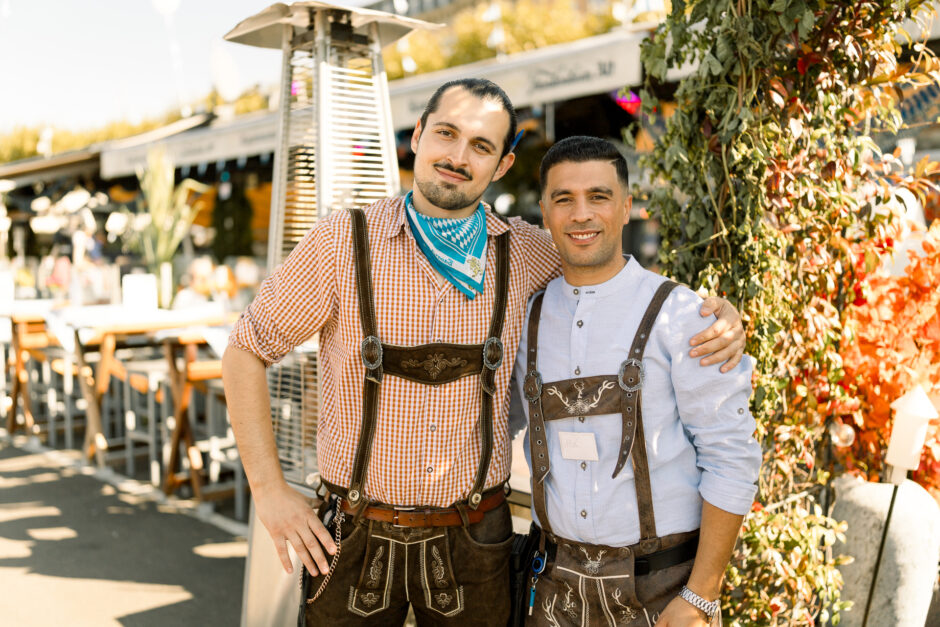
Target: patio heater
(335, 150)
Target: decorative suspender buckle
(371, 351)
(493, 353)
(532, 385)
(633, 381)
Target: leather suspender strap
(538, 443)
(493, 348)
(371, 345)
(492, 358)
(371, 356)
(633, 367)
(630, 380)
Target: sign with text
(589, 66)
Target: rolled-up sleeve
(713, 408)
(295, 302)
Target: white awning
(579, 68)
(243, 137)
(561, 72)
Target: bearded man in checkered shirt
(416, 300)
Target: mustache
(446, 166)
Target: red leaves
(859, 297)
(896, 343)
(805, 62)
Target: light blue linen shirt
(698, 429)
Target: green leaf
(807, 21)
(711, 64)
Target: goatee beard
(442, 197)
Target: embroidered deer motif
(626, 612)
(434, 364)
(568, 605)
(580, 405)
(548, 606)
(592, 566)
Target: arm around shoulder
(713, 408)
(539, 253)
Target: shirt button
(430, 469)
(583, 465)
(583, 513)
(740, 410)
(433, 427)
(580, 418)
(580, 323)
(577, 291)
(577, 370)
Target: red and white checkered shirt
(427, 443)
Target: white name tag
(580, 446)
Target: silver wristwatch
(709, 607)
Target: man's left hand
(680, 613)
(723, 341)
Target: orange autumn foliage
(891, 342)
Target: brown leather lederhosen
(430, 364)
(591, 396)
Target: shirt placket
(432, 410)
(584, 510)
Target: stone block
(908, 570)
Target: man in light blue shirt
(643, 461)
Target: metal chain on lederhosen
(338, 518)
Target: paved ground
(84, 548)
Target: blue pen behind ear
(515, 142)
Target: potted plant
(167, 214)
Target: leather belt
(427, 516)
(667, 558)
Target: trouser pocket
(317, 589)
(441, 592)
(371, 593)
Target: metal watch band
(709, 607)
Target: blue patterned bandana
(455, 247)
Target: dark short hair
(481, 88)
(579, 149)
